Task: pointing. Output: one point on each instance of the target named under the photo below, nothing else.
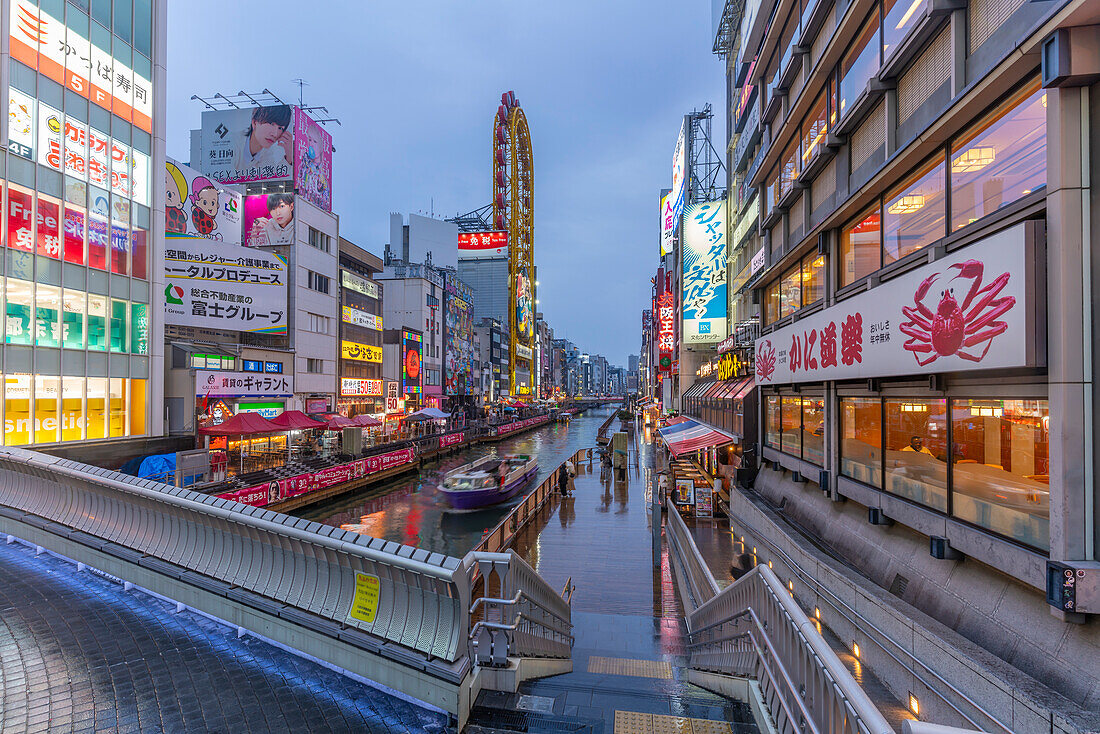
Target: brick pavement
(78, 654)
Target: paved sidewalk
(78, 654)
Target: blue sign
(276, 367)
(251, 365)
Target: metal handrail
(842, 608)
(702, 582)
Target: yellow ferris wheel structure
(513, 211)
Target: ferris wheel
(513, 211)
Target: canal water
(410, 509)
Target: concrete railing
(700, 581)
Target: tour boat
(478, 484)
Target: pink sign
(520, 425)
(312, 161)
(451, 439)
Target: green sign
(45, 327)
(97, 333)
(17, 325)
(139, 328)
(72, 330)
(118, 326)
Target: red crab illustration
(765, 361)
(955, 327)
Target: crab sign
(954, 328)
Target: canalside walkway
(80, 654)
(629, 656)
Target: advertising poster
(356, 386)
(268, 220)
(227, 384)
(411, 350)
(482, 245)
(214, 285)
(359, 317)
(360, 285)
(360, 352)
(312, 161)
(254, 144)
(458, 338)
(704, 245)
(673, 205)
(967, 311)
(196, 206)
(525, 317)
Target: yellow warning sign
(365, 604)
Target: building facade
(83, 345)
(361, 387)
(414, 299)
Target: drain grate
(899, 585)
(536, 704)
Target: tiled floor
(78, 654)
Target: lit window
(814, 130)
(860, 64)
(915, 210)
(860, 246)
(901, 16)
(916, 451)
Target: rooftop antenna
(302, 84)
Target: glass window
(97, 231)
(20, 305)
(771, 421)
(138, 390)
(140, 244)
(47, 406)
(860, 63)
(72, 408)
(813, 430)
(790, 294)
(916, 451)
(143, 26)
(72, 319)
(96, 422)
(813, 279)
(1001, 473)
(47, 313)
(49, 236)
(1002, 159)
(97, 323)
(120, 237)
(861, 440)
(772, 299)
(123, 25)
(791, 421)
(139, 328)
(17, 410)
(20, 219)
(915, 211)
(119, 324)
(814, 130)
(772, 190)
(901, 16)
(101, 11)
(119, 407)
(860, 246)
(76, 195)
(791, 168)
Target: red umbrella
(242, 424)
(339, 423)
(366, 421)
(293, 420)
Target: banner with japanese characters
(704, 256)
(215, 285)
(250, 144)
(972, 310)
(197, 206)
(312, 161)
(227, 384)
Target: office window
(900, 17)
(318, 324)
(771, 191)
(315, 366)
(790, 294)
(791, 423)
(861, 440)
(814, 129)
(860, 63)
(813, 430)
(860, 246)
(790, 169)
(813, 279)
(772, 421)
(1003, 158)
(317, 282)
(915, 212)
(916, 450)
(320, 240)
(1001, 473)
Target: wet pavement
(78, 654)
(629, 657)
(410, 510)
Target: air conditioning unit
(1074, 586)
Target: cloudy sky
(415, 84)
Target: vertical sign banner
(704, 256)
(679, 183)
(668, 225)
(198, 207)
(411, 351)
(666, 322)
(458, 337)
(312, 161)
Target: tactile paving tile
(634, 722)
(629, 666)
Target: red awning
(340, 422)
(242, 424)
(689, 435)
(366, 421)
(294, 420)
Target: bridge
(625, 622)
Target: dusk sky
(415, 85)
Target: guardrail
(700, 581)
(754, 628)
(522, 615)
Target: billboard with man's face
(241, 145)
(268, 220)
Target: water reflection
(411, 510)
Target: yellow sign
(365, 604)
(360, 352)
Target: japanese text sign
(482, 245)
(312, 161)
(705, 259)
(971, 310)
(360, 352)
(227, 384)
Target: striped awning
(689, 435)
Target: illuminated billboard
(704, 274)
(668, 226)
(312, 161)
(458, 337)
(42, 41)
(251, 144)
(198, 207)
(268, 220)
(525, 303)
(411, 350)
(482, 245)
(209, 287)
(679, 181)
(354, 386)
(359, 317)
(665, 314)
(360, 352)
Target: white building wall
(310, 344)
